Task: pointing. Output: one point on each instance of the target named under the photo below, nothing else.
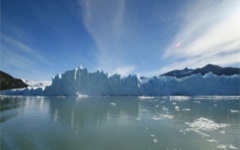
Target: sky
(40, 38)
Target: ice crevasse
(82, 82)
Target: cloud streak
(104, 21)
(16, 55)
(20, 46)
(210, 34)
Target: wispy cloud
(210, 34)
(21, 46)
(126, 70)
(17, 57)
(104, 21)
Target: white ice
(100, 83)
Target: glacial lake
(119, 123)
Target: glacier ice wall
(81, 82)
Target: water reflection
(12, 106)
(9, 106)
(117, 123)
(93, 110)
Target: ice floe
(222, 147)
(165, 108)
(113, 104)
(212, 140)
(197, 102)
(177, 108)
(222, 132)
(162, 116)
(186, 109)
(226, 147)
(179, 98)
(234, 111)
(232, 147)
(145, 97)
(81, 95)
(203, 124)
(155, 140)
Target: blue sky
(147, 37)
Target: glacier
(80, 81)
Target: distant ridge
(215, 69)
(9, 82)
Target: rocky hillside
(9, 82)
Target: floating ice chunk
(204, 124)
(155, 141)
(197, 102)
(222, 132)
(232, 147)
(81, 95)
(113, 104)
(234, 111)
(157, 106)
(186, 109)
(174, 103)
(162, 102)
(152, 135)
(177, 108)
(146, 129)
(165, 108)
(63, 97)
(212, 140)
(222, 147)
(179, 98)
(145, 97)
(225, 147)
(138, 118)
(215, 105)
(162, 116)
(183, 131)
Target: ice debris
(162, 116)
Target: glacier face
(81, 82)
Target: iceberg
(80, 81)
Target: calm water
(119, 123)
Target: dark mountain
(217, 70)
(9, 82)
